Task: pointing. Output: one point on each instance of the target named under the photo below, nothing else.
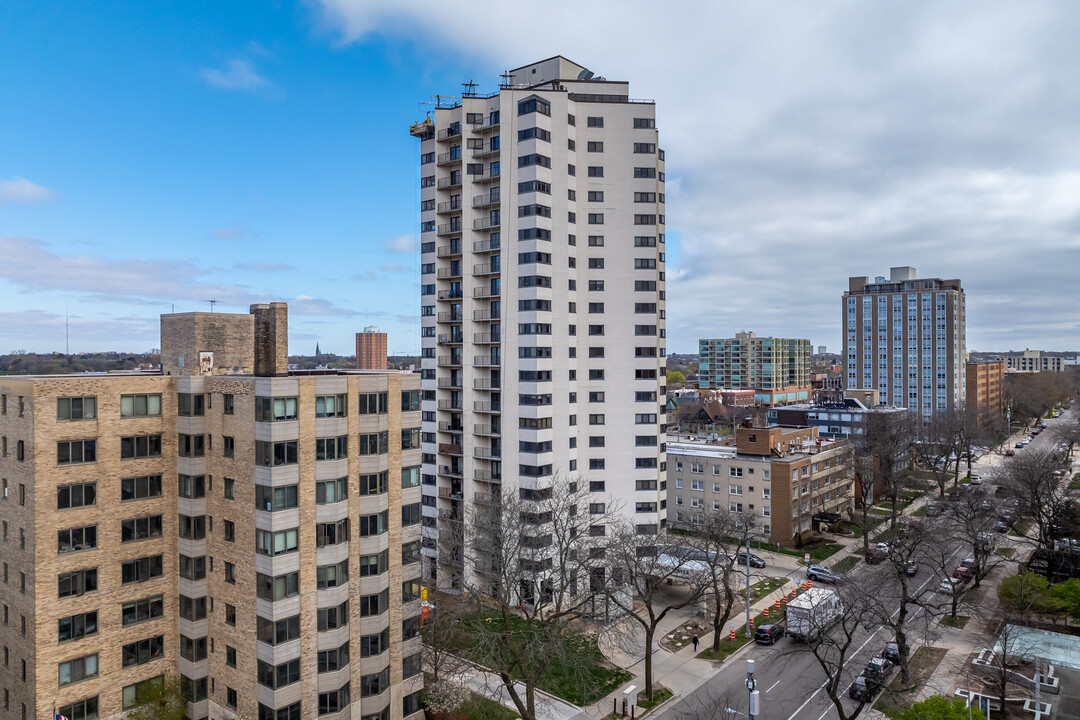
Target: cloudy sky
(159, 155)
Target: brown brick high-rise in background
(257, 534)
(986, 389)
(371, 349)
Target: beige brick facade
(230, 666)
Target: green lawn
(847, 563)
(659, 695)
(816, 554)
(1075, 484)
(763, 587)
(922, 664)
(921, 512)
(480, 708)
(1020, 528)
(582, 678)
(958, 622)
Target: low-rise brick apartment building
(986, 389)
(787, 475)
(254, 531)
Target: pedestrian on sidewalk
(694, 640)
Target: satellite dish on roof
(585, 75)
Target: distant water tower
(371, 349)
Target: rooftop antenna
(470, 89)
(506, 79)
(212, 304)
(67, 335)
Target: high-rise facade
(778, 369)
(543, 301)
(986, 390)
(905, 338)
(371, 349)
(254, 531)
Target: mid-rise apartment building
(986, 389)
(787, 476)
(1032, 361)
(905, 338)
(371, 349)
(543, 300)
(777, 369)
(252, 530)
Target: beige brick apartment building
(255, 531)
(785, 475)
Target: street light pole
(751, 685)
(749, 631)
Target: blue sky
(155, 154)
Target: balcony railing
(484, 292)
(485, 124)
(449, 471)
(449, 361)
(486, 361)
(450, 317)
(486, 200)
(449, 294)
(486, 476)
(451, 383)
(448, 133)
(485, 453)
(450, 228)
(486, 407)
(448, 158)
(448, 207)
(487, 338)
(449, 405)
(486, 315)
(485, 223)
(480, 246)
(488, 430)
(449, 181)
(449, 449)
(445, 273)
(484, 151)
(486, 269)
(486, 384)
(450, 250)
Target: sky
(156, 156)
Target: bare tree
(938, 445)
(718, 540)
(638, 571)
(1032, 478)
(887, 445)
(1066, 431)
(531, 551)
(974, 518)
(445, 689)
(1011, 647)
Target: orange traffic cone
(785, 600)
(731, 637)
(765, 614)
(778, 604)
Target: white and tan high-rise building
(543, 301)
(253, 530)
(905, 338)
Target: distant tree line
(21, 362)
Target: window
(276, 453)
(187, 445)
(640, 123)
(329, 576)
(644, 172)
(77, 626)
(228, 446)
(331, 491)
(334, 660)
(276, 632)
(597, 122)
(649, 148)
(534, 105)
(133, 693)
(375, 684)
(280, 542)
(374, 484)
(228, 403)
(76, 408)
(76, 583)
(75, 539)
(371, 605)
(150, 649)
(273, 499)
(78, 669)
(82, 710)
(277, 588)
(192, 527)
(230, 531)
(330, 406)
(335, 617)
(190, 405)
(71, 451)
(410, 514)
(372, 403)
(142, 569)
(333, 533)
(139, 488)
(140, 405)
(278, 676)
(143, 528)
(410, 439)
(373, 444)
(230, 489)
(190, 609)
(275, 409)
(74, 496)
(333, 448)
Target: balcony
(486, 453)
(486, 384)
(487, 430)
(448, 134)
(485, 151)
(486, 177)
(481, 246)
(450, 339)
(481, 269)
(486, 315)
(450, 493)
(487, 223)
(450, 250)
(485, 361)
(450, 383)
(450, 471)
(450, 228)
(486, 200)
(448, 206)
(487, 407)
(450, 405)
(450, 361)
(486, 476)
(449, 295)
(449, 449)
(485, 125)
(485, 292)
(449, 158)
(450, 181)
(445, 273)
(451, 425)
(487, 338)
(450, 317)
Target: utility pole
(751, 688)
(749, 629)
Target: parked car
(891, 652)
(876, 556)
(934, 510)
(878, 667)
(1042, 426)
(820, 572)
(976, 479)
(968, 562)
(912, 568)
(1010, 452)
(1001, 526)
(1019, 445)
(755, 561)
(768, 634)
(864, 688)
(963, 574)
(883, 547)
(950, 587)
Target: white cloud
(263, 267)
(23, 192)
(238, 74)
(393, 267)
(402, 244)
(809, 142)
